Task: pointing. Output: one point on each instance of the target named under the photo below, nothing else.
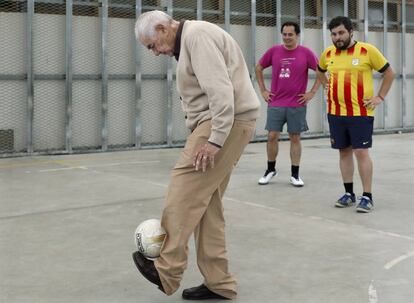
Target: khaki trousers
(194, 205)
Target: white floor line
(123, 163)
(94, 166)
(394, 262)
(372, 293)
(390, 234)
(252, 204)
(157, 184)
(62, 168)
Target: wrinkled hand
(204, 156)
(267, 95)
(373, 102)
(306, 97)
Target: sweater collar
(177, 45)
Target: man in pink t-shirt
(287, 98)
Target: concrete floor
(67, 224)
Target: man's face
(162, 43)
(289, 36)
(341, 38)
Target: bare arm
(267, 95)
(386, 83)
(306, 97)
(322, 78)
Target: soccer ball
(149, 237)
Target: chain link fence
(73, 78)
(13, 87)
(48, 53)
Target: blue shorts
(351, 131)
(295, 117)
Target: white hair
(146, 23)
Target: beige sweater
(213, 80)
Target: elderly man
(221, 108)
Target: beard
(342, 45)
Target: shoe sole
(142, 273)
(214, 296)
(137, 264)
(363, 210)
(339, 205)
(203, 298)
(297, 185)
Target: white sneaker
(267, 177)
(296, 182)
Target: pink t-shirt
(289, 73)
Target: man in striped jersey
(351, 104)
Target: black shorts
(351, 131)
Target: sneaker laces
(345, 197)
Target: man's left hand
(204, 156)
(306, 97)
(373, 102)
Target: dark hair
(291, 23)
(340, 20)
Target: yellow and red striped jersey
(350, 77)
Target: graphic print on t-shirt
(284, 67)
(284, 73)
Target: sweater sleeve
(210, 69)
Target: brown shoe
(147, 269)
(201, 293)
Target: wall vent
(6, 140)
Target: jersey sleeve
(377, 59)
(322, 65)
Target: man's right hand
(267, 95)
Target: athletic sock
(295, 171)
(349, 188)
(369, 195)
(271, 165)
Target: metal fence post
(366, 20)
(104, 71)
(278, 20)
(403, 64)
(385, 53)
(227, 15)
(253, 40)
(30, 75)
(324, 37)
(68, 79)
(169, 88)
(199, 9)
(302, 20)
(138, 83)
(346, 8)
